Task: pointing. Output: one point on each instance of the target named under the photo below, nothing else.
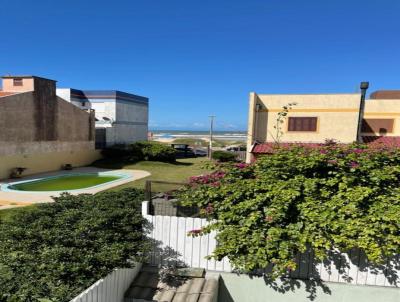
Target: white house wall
(104, 108)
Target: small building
(316, 118)
(121, 118)
(39, 130)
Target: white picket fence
(171, 243)
(110, 289)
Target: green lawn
(70, 182)
(174, 172)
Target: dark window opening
(380, 126)
(17, 82)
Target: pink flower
(241, 165)
(322, 151)
(354, 164)
(209, 209)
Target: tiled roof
(390, 141)
(5, 93)
(269, 147)
(385, 94)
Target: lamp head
(364, 85)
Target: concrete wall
(46, 161)
(244, 288)
(26, 117)
(384, 109)
(129, 120)
(41, 131)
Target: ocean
(219, 135)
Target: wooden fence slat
(204, 247)
(181, 238)
(173, 240)
(188, 257)
(166, 231)
(196, 244)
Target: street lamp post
(363, 86)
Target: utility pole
(211, 135)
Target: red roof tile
(390, 141)
(269, 147)
(385, 94)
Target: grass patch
(180, 171)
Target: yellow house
(315, 118)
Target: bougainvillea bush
(323, 198)
(55, 251)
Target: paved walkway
(13, 199)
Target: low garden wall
(46, 161)
(110, 289)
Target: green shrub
(332, 197)
(154, 151)
(223, 156)
(116, 152)
(55, 251)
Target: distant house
(121, 118)
(319, 117)
(39, 130)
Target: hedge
(57, 250)
(223, 156)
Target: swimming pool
(64, 183)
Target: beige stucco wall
(337, 117)
(27, 85)
(45, 162)
(384, 109)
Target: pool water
(63, 183)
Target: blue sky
(196, 58)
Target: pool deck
(14, 199)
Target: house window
(377, 125)
(17, 82)
(302, 124)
